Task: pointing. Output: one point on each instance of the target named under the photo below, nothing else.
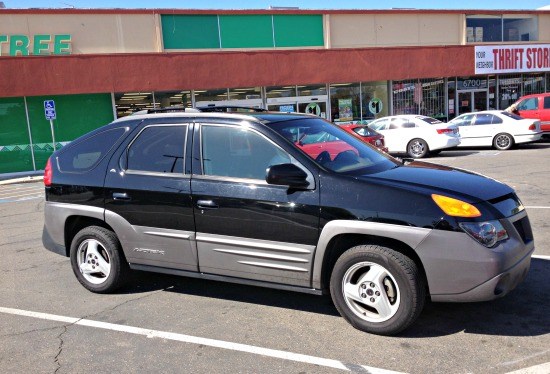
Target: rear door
(245, 227)
(148, 197)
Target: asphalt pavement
(50, 324)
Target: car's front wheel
(97, 259)
(377, 289)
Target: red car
(536, 106)
(367, 135)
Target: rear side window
(486, 119)
(158, 149)
(547, 102)
(86, 154)
(430, 120)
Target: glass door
(316, 105)
(471, 101)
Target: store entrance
(316, 105)
(249, 103)
(472, 101)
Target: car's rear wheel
(503, 141)
(377, 289)
(417, 148)
(97, 259)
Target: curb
(29, 179)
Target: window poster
(344, 110)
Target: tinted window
(547, 102)
(528, 104)
(486, 119)
(347, 154)
(364, 131)
(86, 154)
(400, 123)
(430, 120)
(463, 120)
(379, 125)
(158, 149)
(238, 153)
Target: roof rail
(169, 109)
(230, 108)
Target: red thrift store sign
(492, 59)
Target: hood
(444, 180)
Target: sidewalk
(24, 177)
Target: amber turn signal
(455, 208)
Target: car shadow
(523, 312)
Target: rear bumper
(51, 245)
(443, 141)
(527, 138)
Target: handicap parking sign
(49, 109)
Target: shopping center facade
(344, 65)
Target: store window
(533, 84)
(166, 99)
(248, 93)
(280, 91)
(420, 96)
(374, 100)
(345, 102)
(312, 90)
(130, 102)
(509, 89)
(211, 95)
(497, 28)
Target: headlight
(486, 233)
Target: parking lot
(50, 324)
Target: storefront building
(347, 65)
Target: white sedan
(496, 128)
(416, 135)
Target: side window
(547, 102)
(234, 152)
(396, 123)
(465, 120)
(379, 125)
(483, 119)
(158, 149)
(528, 104)
(84, 155)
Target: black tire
(417, 148)
(400, 288)
(503, 141)
(107, 255)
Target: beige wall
(95, 33)
(376, 30)
(544, 28)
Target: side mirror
(286, 175)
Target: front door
(245, 227)
(471, 101)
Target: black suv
(287, 201)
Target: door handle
(121, 196)
(206, 204)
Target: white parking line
(20, 195)
(541, 257)
(335, 364)
(537, 207)
(538, 369)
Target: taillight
(444, 131)
(48, 173)
(533, 127)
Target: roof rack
(230, 108)
(169, 109)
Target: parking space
(49, 323)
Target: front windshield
(332, 147)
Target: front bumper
(460, 269)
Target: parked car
(236, 197)
(496, 128)
(536, 106)
(416, 135)
(366, 134)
